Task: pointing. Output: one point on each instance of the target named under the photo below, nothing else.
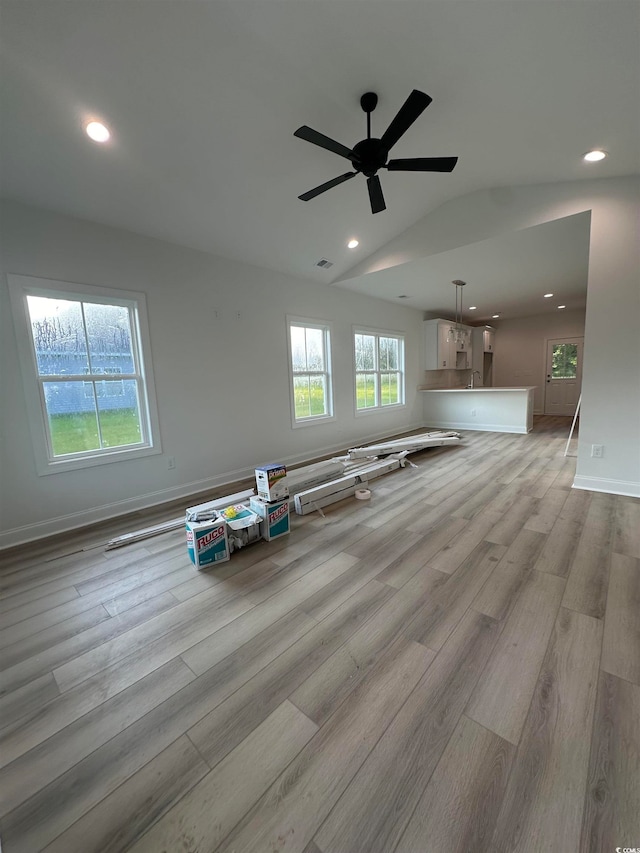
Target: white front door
(564, 376)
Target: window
(87, 381)
(309, 361)
(564, 363)
(379, 361)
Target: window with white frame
(310, 370)
(86, 372)
(379, 368)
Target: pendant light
(456, 332)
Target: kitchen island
(485, 409)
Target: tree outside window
(564, 361)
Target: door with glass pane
(564, 376)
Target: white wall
(222, 384)
(610, 410)
(521, 348)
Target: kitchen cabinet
(488, 339)
(444, 351)
(483, 349)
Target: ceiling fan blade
(311, 135)
(375, 195)
(414, 106)
(324, 187)
(423, 164)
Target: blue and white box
(207, 542)
(274, 515)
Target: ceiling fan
(371, 154)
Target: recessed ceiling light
(97, 131)
(562, 306)
(473, 307)
(548, 295)
(495, 316)
(352, 244)
(594, 156)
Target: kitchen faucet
(471, 385)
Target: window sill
(61, 466)
(313, 421)
(378, 410)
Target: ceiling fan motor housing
(369, 156)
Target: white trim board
(610, 487)
(465, 425)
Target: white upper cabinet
(489, 339)
(445, 347)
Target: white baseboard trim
(611, 487)
(478, 427)
(65, 523)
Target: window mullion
(91, 373)
(43, 404)
(135, 343)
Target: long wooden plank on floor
(627, 528)
(50, 811)
(326, 688)
(95, 637)
(215, 647)
(467, 538)
(231, 721)
(544, 800)
(98, 567)
(64, 709)
(438, 617)
(621, 645)
(588, 578)
(297, 802)
(33, 770)
(213, 801)
(376, 808)
(116, 822)
(112, 598)
(500, 593)
(501, 700)
(27, 699)
(613, 791)
(198, 617)
(460, 804)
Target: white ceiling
(508, 275)
(203, 98)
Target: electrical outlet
(171, 462)
(597, 451)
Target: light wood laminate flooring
(453, 665)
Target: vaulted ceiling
(202, 99)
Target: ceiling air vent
(324, 263)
